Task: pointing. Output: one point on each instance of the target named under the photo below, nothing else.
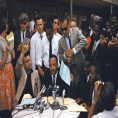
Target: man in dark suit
(54, 78)
(21, 34)
(70, 49)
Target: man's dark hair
(98, 66)
(107, 96)
(26, 54)
(48, 25)
(38, 18)
(56, 17)
(54, 56)
(115, 14)
(63, 18)
(100, 24)
(3, 22)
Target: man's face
(55, 24)
(65, 28)
(27, 63)
(53, 64)
(23, 25)
(49, 34)
(86, 67)
(72, 24)
(113, 25)
(39, 25)
(85, 32)
(96, 33)
(92, 75)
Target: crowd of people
(90, 53)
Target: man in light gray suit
(70, 49)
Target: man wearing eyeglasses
(20, 35)
(70, 49)
(56, 26)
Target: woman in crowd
(7, 85)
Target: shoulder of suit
(60, 40)
(16, 32)
(34, 37)
(35, 71)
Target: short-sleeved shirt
(3, 44)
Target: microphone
(48, 89)
(40, 94)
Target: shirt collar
(55, 74)
(67, 35)
(23, 32)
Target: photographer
(104, 92)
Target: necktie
(69, 41)
(23, 35)
(94, 48)
(41, 37)
(50, 50)
(53, 80)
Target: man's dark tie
(41, 37)
(50, 49)
(69, 41)
(23, 35)
(53, 80)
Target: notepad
(29, 101)
(68, 101)
(74, 108)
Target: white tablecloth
(49, 113)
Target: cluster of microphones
(41, 105)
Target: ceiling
(93, 4)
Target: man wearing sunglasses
(56, 26)
(20, 35)
(70, 49)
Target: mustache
(52, 70)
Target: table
(49, 113)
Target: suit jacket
(35, 81)
(17, 41)
(59, 82)
(78, 41)
(83, 90)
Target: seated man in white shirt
(56, 26)
(49, 47)
(104, 92)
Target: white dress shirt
(117, 35)
(22, 35)
(32, 23)
(45, 49)
(36, 49)
(54, 78)
(58, 35)
(108, 114)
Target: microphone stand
(63, 107)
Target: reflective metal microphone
(40, 94)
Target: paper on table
(50, 99)
(65, 73)
(29, 101)
(76, 108)
(68, 101)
